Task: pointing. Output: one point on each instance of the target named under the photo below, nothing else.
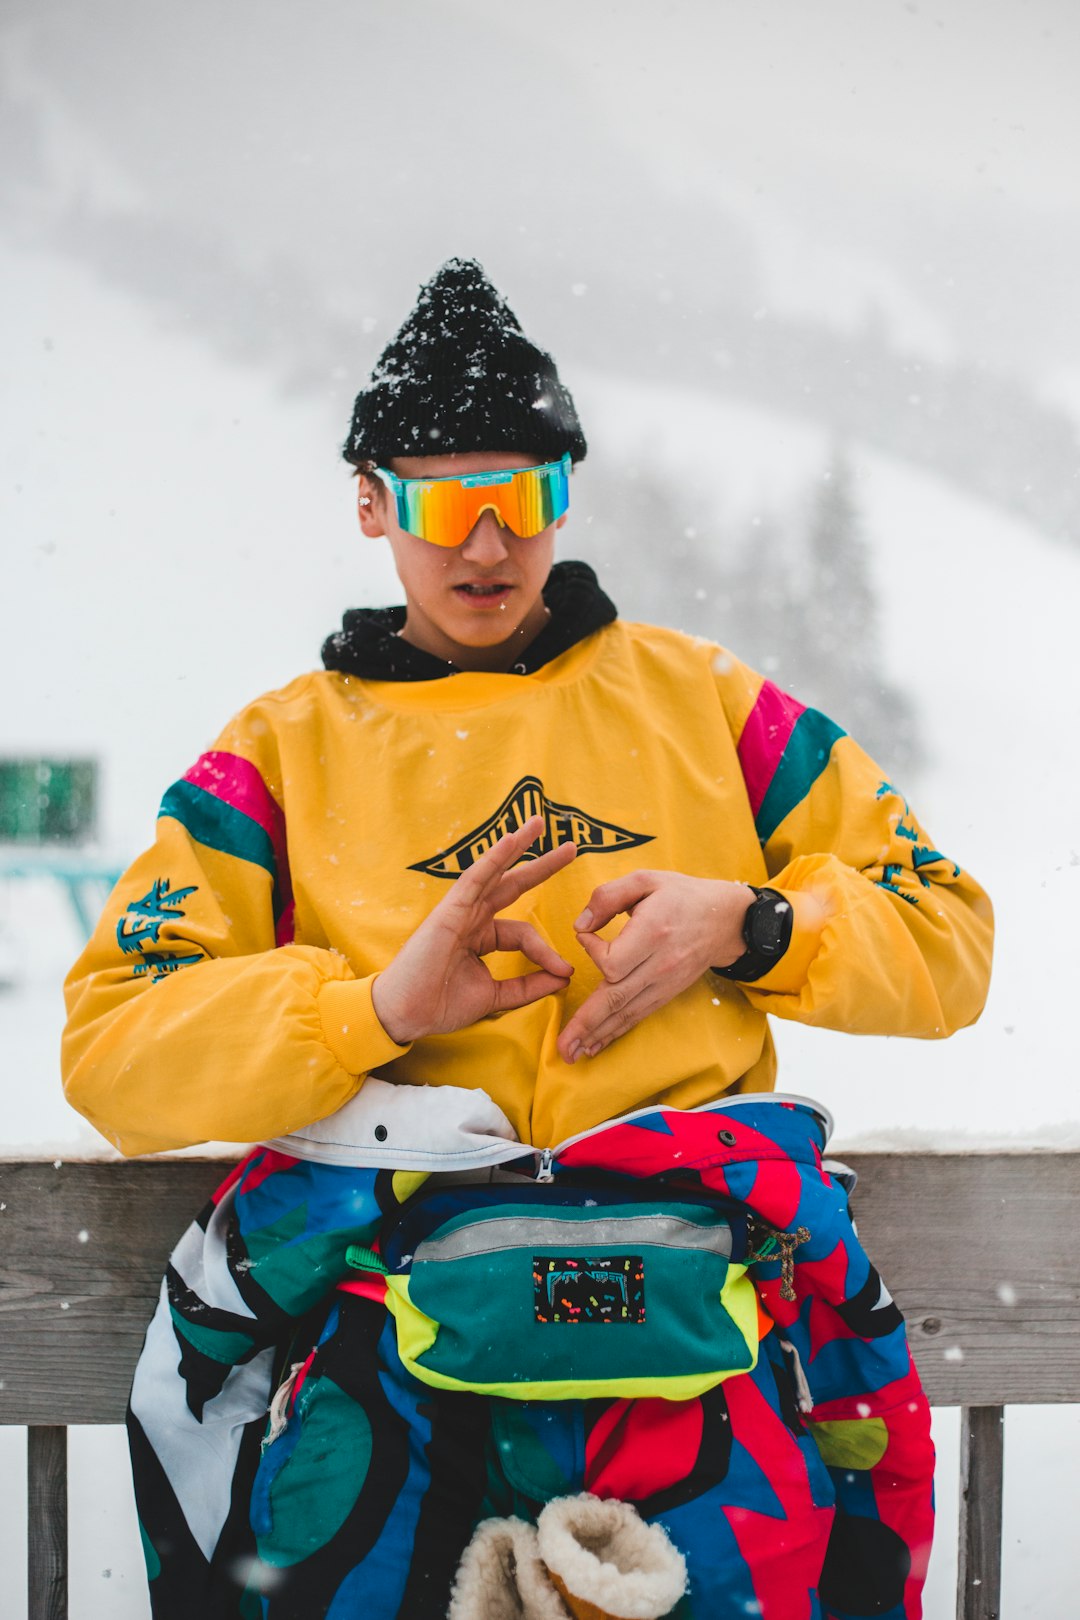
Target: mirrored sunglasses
(445, 511)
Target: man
(400, 872)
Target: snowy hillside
(177, 551)
(192, 548)
(868, 218)
(977, 611)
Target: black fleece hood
(368, 644)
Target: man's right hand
(438, 981)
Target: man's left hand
(679, 927)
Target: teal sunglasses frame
(400, 488)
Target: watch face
(768, 923)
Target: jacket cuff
(789, 974)
(351, 1027)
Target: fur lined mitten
(586, 1559)
(501, 1576)
(606, 1563)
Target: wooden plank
(982, 1459)
(74, 1307)
(47, 1530)
(975, 1248)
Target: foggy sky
(362, 142)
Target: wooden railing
(978, 1250)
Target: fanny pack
(579, 1287)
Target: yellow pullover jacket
(226, 993)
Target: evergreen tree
(841, 656)
(798, 606)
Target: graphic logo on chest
(561, 821)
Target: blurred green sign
(48, 801)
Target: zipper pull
(544, 1171)
(804, 1398)
(787, 1243)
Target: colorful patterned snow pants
(364, 1504)
(358, 1500)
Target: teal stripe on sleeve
(218, 825)
(801, 763)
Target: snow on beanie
(461, 375)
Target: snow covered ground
(173, 555)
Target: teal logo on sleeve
(142, 922)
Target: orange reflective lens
(445, 511)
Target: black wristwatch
(766, 934)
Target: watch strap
(756, 962)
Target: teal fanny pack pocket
(558, 1291)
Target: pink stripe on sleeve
(285, 932)
(764, 737)
(238, 783)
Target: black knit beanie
(461, 375)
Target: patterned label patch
(568, 1289)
